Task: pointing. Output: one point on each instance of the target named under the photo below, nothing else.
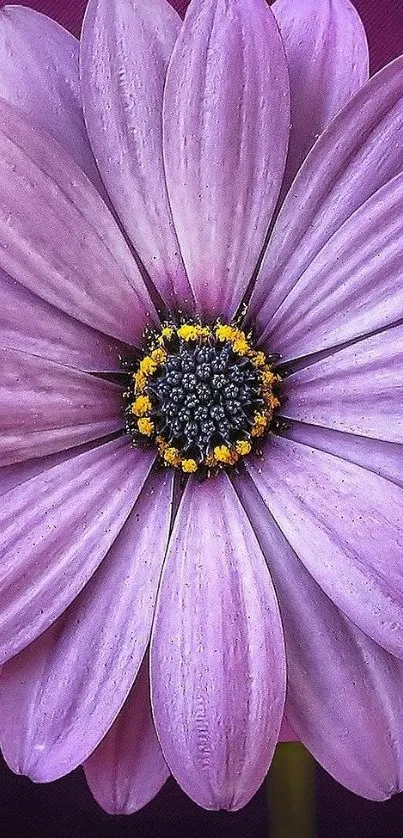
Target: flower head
(200, 397)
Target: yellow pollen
(259, 424)
(171, 456)
(139, 381)
(225, 455)
(159, 355)
(223, 332)
(141, 406)
(147, 365)
(259, 359)
(145, 426)
(268, 377)
(167, 333)
(210, 461)
(241, 346)
(189, 466)
(243, 447)
(192, 331)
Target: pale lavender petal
(58, 238)
(352, 287)
(56, 529)
(46, 407)
(128, 768)
(344, 693)
(125, 49)
(18, 473)
(347, 165)
(384, 458)
(358, 389)
(345, 524)
(39, 74)
(217, 657)
(327, 58)
(226, 123)
(30, 324)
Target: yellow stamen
(171, 456)
(259, 424)
(192, 331)
(141, 406)
(145, 426)
(139, 381)
(159, 355)
(147, 365)
(241, 346)
(243, 447)
(258, 359)
(189, 466)
(225, 455)
(223, 332)
(268, 377)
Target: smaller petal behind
(128, 769)
(60, 696)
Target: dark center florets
(202, 394)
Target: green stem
(291, 792)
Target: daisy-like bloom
(201, 397)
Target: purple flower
(285, 563)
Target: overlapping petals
(140, 631)
(75, 678)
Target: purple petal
(226, 123)
(357, 389)
(347, 165)
(327, 57)
(217, 657)
(125, 49)
(128, 769)
(384, 458)
(45, 407)
(352, 287)
(344, 693)
(56, 529)
(39, 74)
(30, 324)
(18, 473)
(58, 238)
(345, 524)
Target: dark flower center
(202, 394)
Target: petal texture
(58, 238)
(352, 287)
(344, 693)
(358, 389)
(46, 407)
(64, 692)
(384, 458)
(125, 49)
(347, 165)
(39, 74)
(30, 324)
(327, 58)
(56, 529)
(217, 657)
(226, 123)
(345, 524)
(128, 769)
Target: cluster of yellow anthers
(141, 407)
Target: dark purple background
(65, 809)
